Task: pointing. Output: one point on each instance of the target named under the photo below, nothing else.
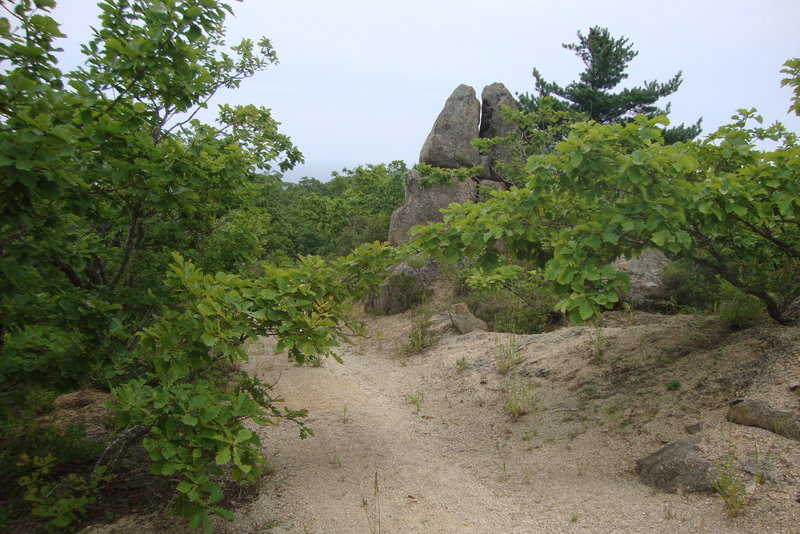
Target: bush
(689, 286)
(521, 303)
(42, 472)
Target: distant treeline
(330, 218)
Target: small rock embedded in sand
(694, 428)
(676, 467)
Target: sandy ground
(425, 444)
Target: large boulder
(493, 98)
(449, 144)
(423, 204)
(645, 289)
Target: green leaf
(660, 237)
(586, 309)
(196, 402)
(223, 456)
(243, 435)
(194, 12)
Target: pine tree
(606, 60)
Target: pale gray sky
(362, 81)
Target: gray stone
(464, 321)
(493, 98)
(645, 277)
(423, 204)
(676, 467)
(694, 429)
(762, 415)
(405, 286)
(449, 144)
(490, 185)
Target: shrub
(516, 301)
(690, 286)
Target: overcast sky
(362, 81)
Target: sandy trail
(460, 464)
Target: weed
(269, 525)
(733, 492)
(420, 337)
(573, 518)
(630, 313)
(615, 418)
(738, 309)
(673, 385)
(501, 457)
(415, 399)
(598, 341)
(520, 401)
(508, 356)
(335, 461)
(461, 365)
(526, 436)
(374, 519)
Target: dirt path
(449, 459)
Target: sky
(362, 81)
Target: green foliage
(738, 309)
(105, 171)
(533, 133)
(431, 176)
(688, 285)
(613, 189)
(105, 174)
(62, 501)
(511, 299)
(792, 70)
(332, 218)
(45, 471)
(606, 60)
(194, 408)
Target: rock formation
(449, 145)
(645, 289)
(423, 204)
(493, 98)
